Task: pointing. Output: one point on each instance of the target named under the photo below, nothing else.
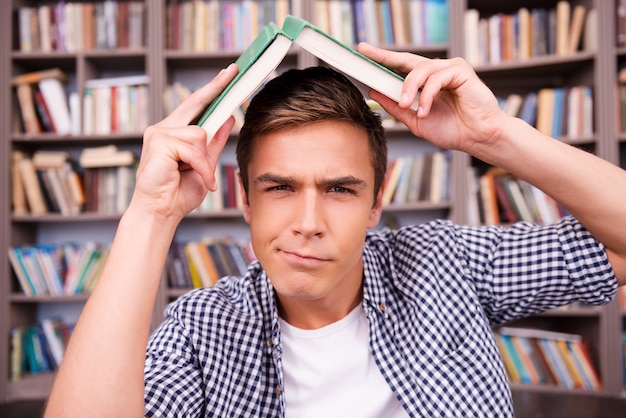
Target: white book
(75, 113)
(524, 43)
(371, 26)
(122, 97)
(130, 80)
(44, 16)
(102, 118)
(495, 38)
(57, 347)
(417, 22)
(56, 101)
(520, 201)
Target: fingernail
(404, 98)
(420, 111)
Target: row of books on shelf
(533, 356)
(210, 25)
(496, 197)
(561, 112)
(101, 181)
(386, 22)
(78, 26)
(38, 348)
(57, 269)
(202, 263)
(529, 33)
(417, 178)
(50, 182)
(43, 105)
(109, 105)
(115, 105)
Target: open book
(267, 51)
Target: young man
(337, 320)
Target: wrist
(149, 223)
(501, 148)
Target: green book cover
(342, 57)
(293, 27)
(255, 64)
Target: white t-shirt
(330, 372)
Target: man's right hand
(178, 161)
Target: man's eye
(278, 188)
(341, 190)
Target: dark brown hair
(299, 97)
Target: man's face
(309, 207)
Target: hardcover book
(267, 51)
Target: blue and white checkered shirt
(432, 292)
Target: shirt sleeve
(172, 377)
(526, 268)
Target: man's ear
(376, 211)
(244, 198)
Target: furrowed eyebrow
(269, 178)
(274, 179)
(346, 181)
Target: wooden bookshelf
(595, 68)
(165, 66)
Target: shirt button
(278, 390)
(270, 342)
(382, 307)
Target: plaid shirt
(432, 292)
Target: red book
(44, 113)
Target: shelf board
(107, 58)
(90, 53)
(221, 214)
(83, 140)
(93, 216)
(57, 217)
(538, 65)
(175, 293)
(31, 386)
(22, 298)
(590, 311)
(556, 389)
(406, 207)
(202, 60)
(218, 214)
(417, 206)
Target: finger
(404, 115)
(402, 62)
(188, 133)
(204, 158)
(192, 158)
(191, 107)
(216, 146)
(442, 79)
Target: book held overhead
(267, 51)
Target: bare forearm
(592, 189)
(102, 371)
